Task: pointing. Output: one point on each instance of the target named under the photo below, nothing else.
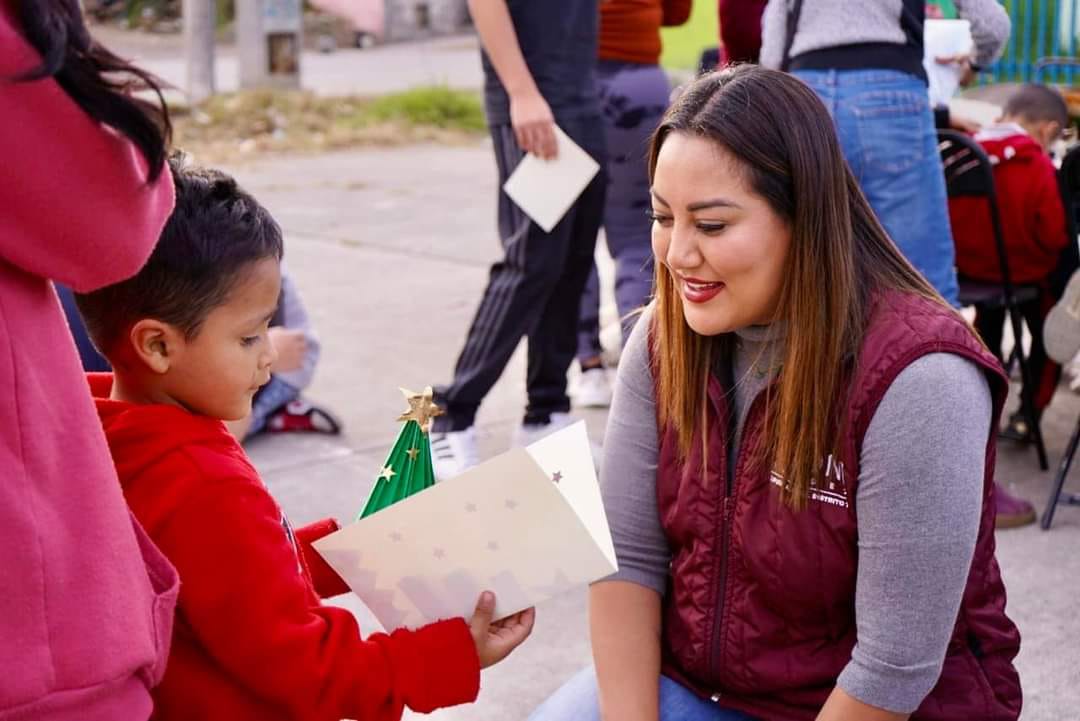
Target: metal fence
(1043, 46)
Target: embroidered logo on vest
(832, 491)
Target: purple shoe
(1012, 512)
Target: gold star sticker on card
(387, 473)
(412, 453)
(421, 408)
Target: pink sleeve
(76, 205)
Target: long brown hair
(839, 254)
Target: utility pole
(200, 21)
(269, 36)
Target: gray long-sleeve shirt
(834, 23)
(919, 500)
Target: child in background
(277, 406)
(188, 340)
(1033, 226)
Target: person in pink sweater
(86, 600)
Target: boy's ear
(1053, 130)
(156, 344)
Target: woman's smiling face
(723, 244)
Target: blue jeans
(886, 129)
(577, 700)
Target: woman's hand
(495, 641)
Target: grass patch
(234, 126)
(438, 107)
(683, 44)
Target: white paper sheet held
(944, 38)
(528, 525)
(545, 189)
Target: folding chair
(968, 172)
(1069, 177)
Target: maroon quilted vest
(760, 609)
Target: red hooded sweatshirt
(1029, 202)
(251, 640)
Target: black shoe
(1017, 429)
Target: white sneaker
(593, 389)
(453, 452)
(529, 433)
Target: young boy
(1033, 227)
(1032, 222)
(187, 339)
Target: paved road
(452, 60)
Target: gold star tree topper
(421, 408)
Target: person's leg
(518, 285)
(678, 703)
(990, 325)
(553, 337)
(578, 700)
(634, 104)
(886, 129)
(1045, 373)
(593, 390)
(589, 349)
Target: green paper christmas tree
(408, 468)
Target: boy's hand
(495, 641)
(534, 125)
(291, 347)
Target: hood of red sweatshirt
(141, 435)
(1012, 149)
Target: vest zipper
(722, 562)
(726, 506)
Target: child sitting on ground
(187, 339)
(1032, 224)
(278, 406)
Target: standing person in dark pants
(634, 92)
(539, 65)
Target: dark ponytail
(99, 82)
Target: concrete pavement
(390, 249)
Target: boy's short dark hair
(215, 231)
(1038, 103)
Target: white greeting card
(941, 39)
(528, 525)
(545, 189)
